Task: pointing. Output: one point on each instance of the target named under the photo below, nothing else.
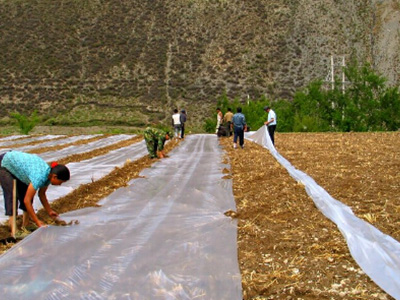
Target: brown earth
(287, 249)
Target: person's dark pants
(238, 133)
(271, 131)
(6, 181)
(228, 129)
(182, 130)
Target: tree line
(364, 103)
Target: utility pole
(331, 75)
(343, 75)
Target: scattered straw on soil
(287, 248)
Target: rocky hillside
(132, 61)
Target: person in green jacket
(155, 139)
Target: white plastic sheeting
(11, 137)
(103, 142)
(8, 142)
(93, 169)
(164, 236)
(88, 170)
(54, 142)
(376, 253)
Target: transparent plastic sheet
(164, 236)
(88, 170)
(9, 138)
(10, 142)
(103, 142)
(52, 143)
(376, 253)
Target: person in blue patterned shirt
(32, 174)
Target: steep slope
(131, 62)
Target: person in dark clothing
(183, 121)
(239, 127)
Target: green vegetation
(26, 123)
(366, 104)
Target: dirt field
(287, 248)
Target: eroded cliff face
(386, 40)
(135, 60)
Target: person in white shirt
(271, 123)
(220, 118)
(176, 123)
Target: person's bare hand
(53, 214)
(41, 224)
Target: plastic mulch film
(57, 142)
(88, 170)
(28, 139)
(9, 138)
(164, 236)
(103, 142)
(376, 253)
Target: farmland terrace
(287, 249)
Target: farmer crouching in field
(155, 140)
(32, 173)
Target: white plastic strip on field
(164, 236)
(103, 142)
(89, 170)
(51, 143)
(11, 137)
(10, 143)
(376, 253)
(93, 169)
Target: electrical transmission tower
(340, 64)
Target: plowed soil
(287, 249)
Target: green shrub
(26, 123)
(210, 125)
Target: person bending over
(32, 174)
(155, 139)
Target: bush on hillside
(26, 123)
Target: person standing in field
(183, 121)
(176, 123)
(32, 174)
(155, 139)
(228, 121)
(239, 127)
(220, 118)
(271, 123)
